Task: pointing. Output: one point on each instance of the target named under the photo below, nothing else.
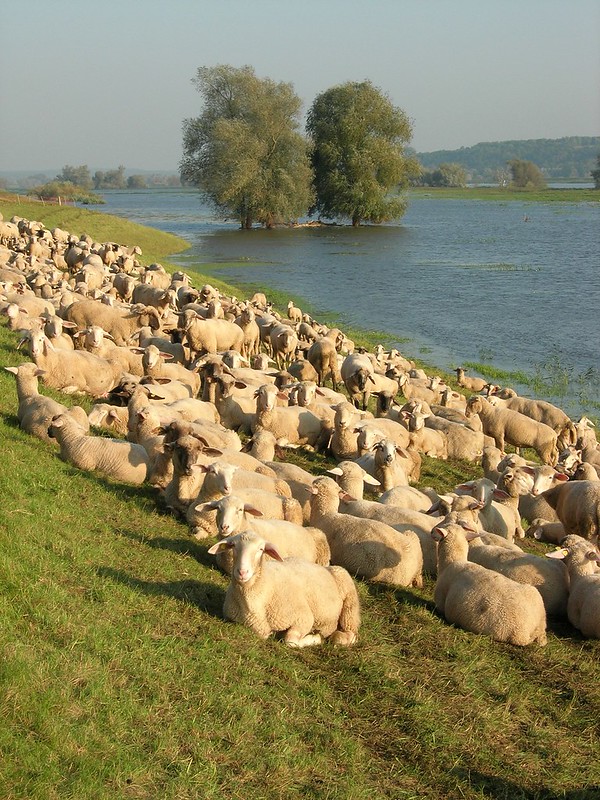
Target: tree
(453, 175)
(245, 151)
(526, 175)
(595, 173)
(136, 182)
(79, 176)
(358, 154)
(111, 179)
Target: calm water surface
(512, 284)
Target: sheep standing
(307, 601)
(504, 425)
(482, 601)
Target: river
(511, 284)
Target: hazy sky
(108, 82)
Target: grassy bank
(498, 193)
(120, 679)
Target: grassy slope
(119, 677)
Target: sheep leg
(294, 638)
(343, 638)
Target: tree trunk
(246, 222)
(355, 221)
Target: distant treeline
(569, 158)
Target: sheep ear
(271, 550)
(500, 494)
(240, 385)
(332, 471)
(224, 544)
(166, 356)
(251, 510)
(15, 371)
(560, 476)
(466, 487)
(402, 452)
(560, 552)
(439, 534)
(370, 479)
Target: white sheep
(365, 547)
(115, 458)
(550, 578)
(387, 463)
(35, 411)
(234, 514)
(307, 601)
(582, 561)
(504, 425)
(291, 425)
(480, 600)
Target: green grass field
(119, 677)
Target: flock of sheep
(204, 395)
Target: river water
(511, 284)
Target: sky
(109, 82)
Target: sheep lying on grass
(365, 547)
(306, 601)
(480, 600)
(35, 410)
(123, 461)
(583, 607)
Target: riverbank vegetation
(120, 679)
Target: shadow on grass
(206, 597)
(401, 596)
(500, 789)
(182, 547)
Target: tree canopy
(245, 151)
(79, 176)
(453, 175)
(358, 157)
(595, 173)
(526, 175)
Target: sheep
(322, 356)
(251, 340)
(542, 411)
(431, 392)
(235, 412)
(467, 382)
(407, 497)
(146, 431)
(462, 443)
(532, 484)
(210, 335)
(385, 466)
(583, 606)
(123, 461)
(357, 373)
(95, 340)
(577, 505)
(368, 439)
(120, 324)
(155, 365)
(234, 514)
(351, 478)
(283, 344)
(109, 418)
(365, 547)
(35, 411)
(307, 601)
(544, 531)
(504, 425)
(549, 577)
(493, 517)
(291, 425)
(73, 372)
(344, 439)
(480, 600)
(429, 441)
(144, 337)
(294, 314)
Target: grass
(120, 679)
(497, 193)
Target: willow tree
(245, 151)
(358, 153)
